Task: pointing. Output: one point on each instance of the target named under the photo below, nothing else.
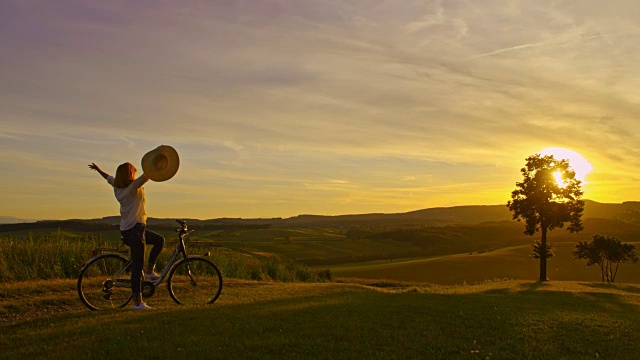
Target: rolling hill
(627, 212)
(14, 220)
(506, 263)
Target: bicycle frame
(180, 249)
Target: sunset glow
(280, 108)
(577, 162)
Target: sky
(281, 107)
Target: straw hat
(161, 163)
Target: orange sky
(279, 108)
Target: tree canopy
(608, 253)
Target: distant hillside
(97, 225)
(456, 215)
(13, 220)
(463, 215)
(627, 212)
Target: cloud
(291, 93)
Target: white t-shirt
(132, 201)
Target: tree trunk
(543, 254)
(613, 276)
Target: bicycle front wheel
(194, 282)
(105, 282)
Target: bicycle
(104, 282)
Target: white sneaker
(151, 277)
(142, 306)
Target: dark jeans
(136, 237)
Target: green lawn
(261, 320)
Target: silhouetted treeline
(95, 226)
(73, 225)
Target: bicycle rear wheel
(105, 282)
(196, 282)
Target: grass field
(304, 244)
(262, 320)
(378, 310)
(290, 244)
(408, 262)
(60, 255)
(508, 263)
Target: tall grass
(57, 255)
(49, 256)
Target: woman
(130, 194)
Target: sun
(578, 163)
(559, 180)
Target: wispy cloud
(279, 94)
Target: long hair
(125, 174)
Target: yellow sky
(279, 108)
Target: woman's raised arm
(95, 167)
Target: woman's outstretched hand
(95, 167)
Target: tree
(547, 198)
(606, 251)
